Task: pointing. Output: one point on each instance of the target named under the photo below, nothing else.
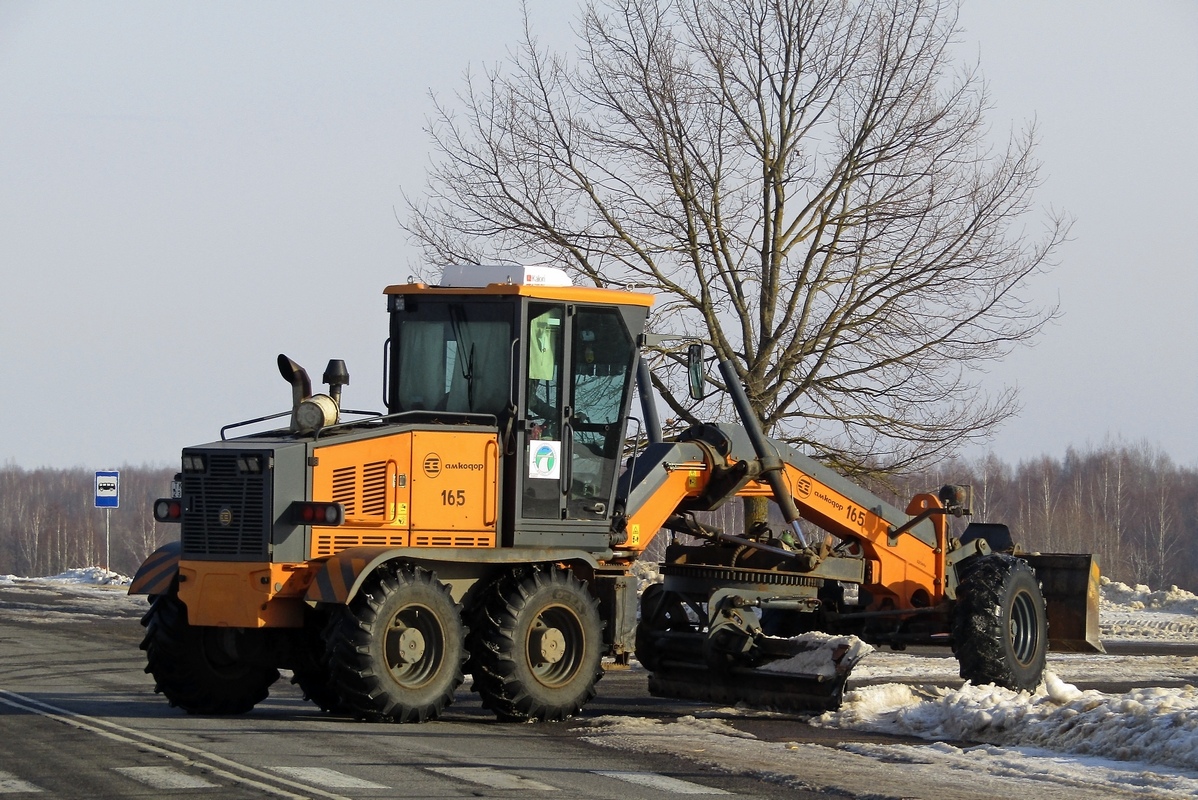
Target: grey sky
(189, 189)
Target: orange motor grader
(487, 523)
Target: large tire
(199, 669)
(1000, 626)
(310, 672)
(660, 611)
(538, 648)
(395, 652)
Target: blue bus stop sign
(108, 490)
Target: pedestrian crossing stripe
(11, 784)
(660, 782)
(166, 778)
(329, 778)
(493, 778)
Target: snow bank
(1140, 614)
(95, 576)
(1155, 726)
(89, 576)
(1119, 596)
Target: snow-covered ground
(1144, 741)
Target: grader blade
(1070, 585)
(808, 676)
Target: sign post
(108, 497)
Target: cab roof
(542, 283)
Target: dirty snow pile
(89, 576)
(1157, 726)
(1153, 725)
(1141, 614)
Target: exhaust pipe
(297, 376)
(309, 412)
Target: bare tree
(807, 183)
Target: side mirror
(695, 370)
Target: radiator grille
(226, 512)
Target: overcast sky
(189, 189)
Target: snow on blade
(821, 655)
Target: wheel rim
(1025, 634)
(219, 648)
(414, 646)
(555, 646)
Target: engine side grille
(374, 489)
(226, 512)
(345, 487)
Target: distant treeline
(1130, 505)
(48, 522)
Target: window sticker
(545, 459)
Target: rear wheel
(1000, 626)
(538, 650)
(204, 670)
(395, 652)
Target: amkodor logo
(225, 517)
(432, 465)
(804, 487)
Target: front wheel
(203, 670)
(395, 652)
(1000, 626)
(538, 651)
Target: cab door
(601, 361)
(541, 444)
(579, 362)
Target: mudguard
(340, 577)
(157, 573)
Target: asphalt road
(79, 719)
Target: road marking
(165, 778)
(661, 782)
(11, 784)
(327, 777)
(193, 757)
(493, 778)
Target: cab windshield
(450, 356)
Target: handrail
(490, 420)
